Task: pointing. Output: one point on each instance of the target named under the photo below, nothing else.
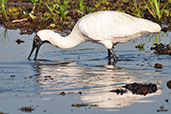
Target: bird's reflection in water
(94, 82)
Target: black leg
(113, 55)
(109, 57)
(109, 54)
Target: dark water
(84, 70)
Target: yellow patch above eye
(35, 37)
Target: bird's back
(113, 25)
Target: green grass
(34, 5)
(3, 36)
(56, 12)
(81, 5)
(138, 7)
(58, 9)
(2, 2)
(155, 8)
(140, 46)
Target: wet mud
(83, 105)
(169, 84)
(162, 109)
(136, 88)
(141, 89)
(18, 41)
(162, 49)
(63, 93)
(158, 66)
(119, 91)
(27, 109)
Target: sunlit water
(82, 69)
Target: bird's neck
(67, 42)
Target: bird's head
(38, 40)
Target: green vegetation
(57, 9)
(138, 7)
(81, 5)
(154, 7)
(2, 2)
(34, 5)
(140, 46)
(3, 36)
(63, 14)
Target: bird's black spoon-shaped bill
(36, 44)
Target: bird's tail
(150, 26)
(154, 27)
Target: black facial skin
(37, 42)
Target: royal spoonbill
(103, 27)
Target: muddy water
(83, 75)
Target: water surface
(83, 69)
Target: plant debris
(141, 89)
(12, 76)
(140, 46)
(62, 93)
(162, 49)
(27, 109)
(83, 105)
(158, 65)
(167, 100)
(162, 109)
(119, 91)
(169, 84)
(18, 41)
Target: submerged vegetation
(33, 15)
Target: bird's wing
(110, 25)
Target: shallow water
(83, 69)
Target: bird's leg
(109, 57)
(109, 54)
(114, 55)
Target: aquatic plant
(155, 9)
(155, 38)
(140, 46)
(31, 14)
(138, 8)
(2, 2)
(81, 5)
(58, 9)
(3, 36)
(101, 2)
(63, 9)
(52, 13)
(34, 5)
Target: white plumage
(104, 27)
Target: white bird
(103, 27)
